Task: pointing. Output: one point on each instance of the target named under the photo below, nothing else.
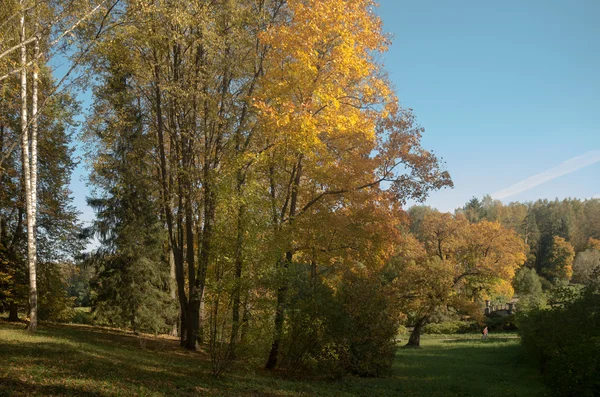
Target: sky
(508, 93)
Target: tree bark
(26, 160)
(166, 186)
(279, 319)
(32, 241)
(283, 289)
(415, 336)
(245, 321)
(13, 315)
(193, 322)
(204, 257)
(235, 325)
(193, 314)
(173, 287)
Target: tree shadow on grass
(59, 360)
(73, 361)
(98, 359)
(101, 335)
(10, 387)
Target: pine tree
(132, 277)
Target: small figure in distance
(485, 333)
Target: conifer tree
(132, 276)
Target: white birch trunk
(32, 241)
(27, 180)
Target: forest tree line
(562, 235)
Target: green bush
(372, 323)
(565, 339)
(402, 330)
(505, 323)
(333, 332)
(82, 315)
(53, 300)
(449, 327)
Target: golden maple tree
(455, 264)
(336, 133)
(560, 260)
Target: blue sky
(505, 90)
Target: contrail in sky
(571, 165)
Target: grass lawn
(64, 360)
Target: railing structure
(510, 307)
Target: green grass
(62, 360)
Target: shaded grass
(468, 366)
(84, 361)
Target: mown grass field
(64, 360)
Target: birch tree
(39, 23)
(29, 163)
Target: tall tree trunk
(32, 243)
(166, 186)
(201, 311)
(279, 317)
(183, 325)
(245, 320)
(193, 320)
(13, 315)
(26, 160)
(235, 325)
(193, 314)
(202, 317)
(172, 288)
(415, 337)
(180, 275)
(205, 254)
(283, 289)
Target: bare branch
(54, 42)
(56, 86)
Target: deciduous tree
(456, 264)
(337, 130)
(560, 260)
(584, 265)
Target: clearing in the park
(62, 360)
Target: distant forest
(538, 223)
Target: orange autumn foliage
(343, 155)
(456, 263)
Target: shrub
(54, 302)
(351, 329)
(82, 315)
(308, 342)
(372, 324)
(446, 327)
(504, 323)
(565, 339)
